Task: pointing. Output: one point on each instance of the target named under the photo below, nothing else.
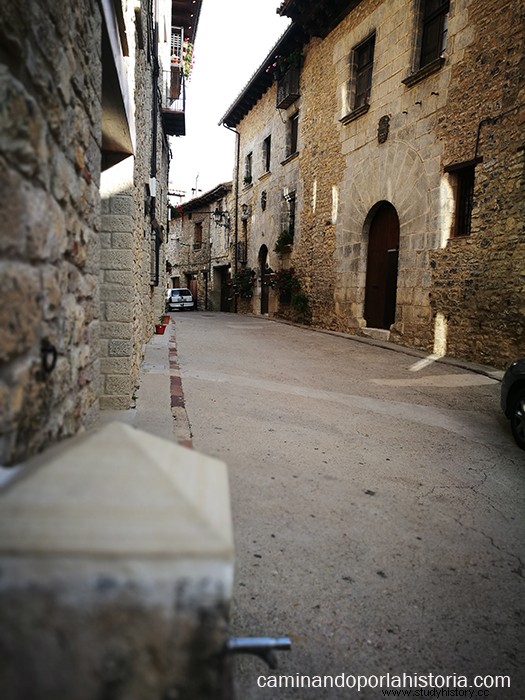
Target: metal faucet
(263, 647)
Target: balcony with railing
(173, 97)
(288, 87)
(174, 102)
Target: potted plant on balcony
(281, 64)
(187, 59)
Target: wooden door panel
(381, 273)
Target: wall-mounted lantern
(221, 218)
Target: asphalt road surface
(378, 506)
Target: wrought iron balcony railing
(288, 88)
(174, 101)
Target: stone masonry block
(118, 384)
(121, 277)
(113, 222)
(115, 365)
(20, 292)
(120, 348)
(116, 259)
(118, 311)
(124, 205)
(105, 240)
(115, 292)
(115, 402)
(115, 330)
(122, 240)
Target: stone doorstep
(376, 333)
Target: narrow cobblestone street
(377, 503)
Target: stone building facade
(201, 248)
(405, 187)
(83, 173)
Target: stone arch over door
(393, 172)
(263, 260)
(381, 269)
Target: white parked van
(179, 299)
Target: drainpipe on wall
(492, 120)
(236, 220)
(155, 232)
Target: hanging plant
(280, 64)
(243, 283)
(284, 240)
(187, 58)
(287, 284)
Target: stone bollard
(116, 571)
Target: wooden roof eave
(262, 79)
(213, 195)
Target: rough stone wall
(221, 253)
(473, 286)
(321, 163)
(478, 282)
(50, 114)
(117, 286)
(403, 170)
(265, 225)
(196, 267)
(130, 304)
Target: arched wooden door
(381, 269)
(263, 257)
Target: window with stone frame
(197, 236)
(266, 154)
(362, 66)
(289, 216)
(293, 134)
(461, 177)
(248, 175)
(433, 30)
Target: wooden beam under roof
(185, 14)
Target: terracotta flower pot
(165, 319)
(160, 328)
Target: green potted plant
(287, 284)
(160, 327)
(243, 282)
(300, 305)
(284, 241)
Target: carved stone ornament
(382, 128)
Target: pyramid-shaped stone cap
(118, 492)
